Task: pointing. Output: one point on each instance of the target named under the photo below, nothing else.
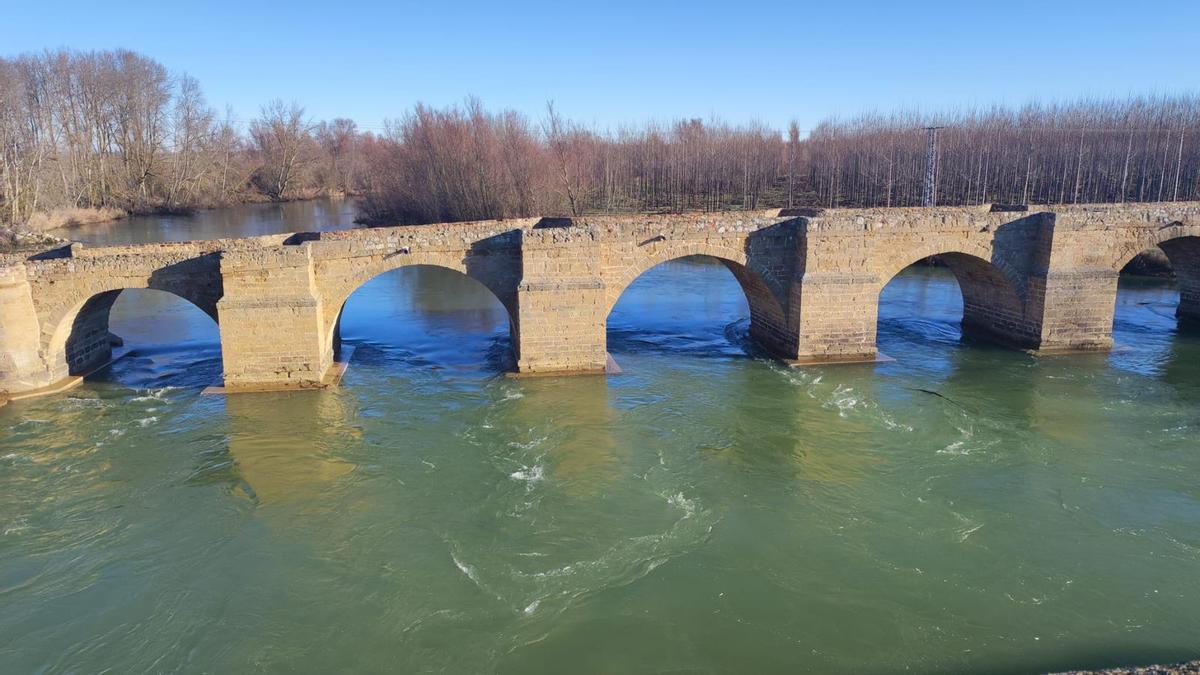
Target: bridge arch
(1180, 242)
(338, 283)
(992, 292)
(768, 317)
(760, 282)
(340, 293)
(1179, 236)
(76, 338)
(967, 252)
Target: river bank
(40, 229)
(45, 221)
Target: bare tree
(338, 141)
(283, 138)
(564, 147)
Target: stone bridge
(1041, 279)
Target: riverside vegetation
(93, 136)
(89, 136)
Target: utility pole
(931, 157)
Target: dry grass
(59, 218)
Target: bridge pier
(1076, 306)
(83, 342)
(836, 313)
(561, 307)
(1075, 292)
(1189, 304)
(272, 321)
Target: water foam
(529, 474)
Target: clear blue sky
(609, 62)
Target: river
(960, 508)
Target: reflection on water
(961, 508)
(279, 459)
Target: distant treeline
(1136, 149)
(466, 163)
(115, 129)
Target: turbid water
(963, 508)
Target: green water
(706, 511)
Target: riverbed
(960, 508)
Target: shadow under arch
(453, 300)
(993, 308)
(762, 305)
(82, 341)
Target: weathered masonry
(1042, 280)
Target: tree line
(463, 163)
(1138, 149)
(115, 129)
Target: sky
(610, 63)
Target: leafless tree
(283, 138)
